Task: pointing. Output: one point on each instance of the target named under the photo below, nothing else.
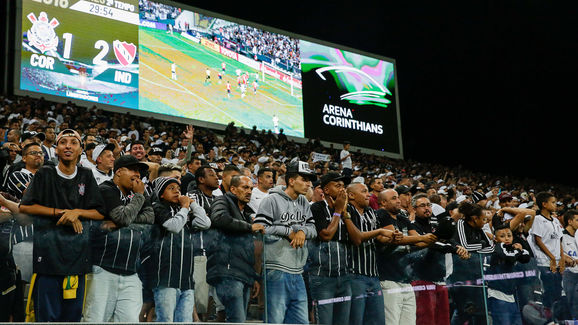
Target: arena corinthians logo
(366, 90)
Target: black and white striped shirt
(118, 250)
(16, 184)
(328, 258)
(172, 259)
(362, 258)
(205, 202)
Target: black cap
(301, 168)
(130, 161)
(402, 189)
(156, 151)
(90, 146)
(30, 134)
(334, 177)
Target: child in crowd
(501, 299)
(172, 278)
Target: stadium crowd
(110, 217)
(280, 48)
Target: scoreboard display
(182, 62)
(82, 49)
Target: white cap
(263, 159)
(461, 198)
(358, 179)
(100, 148)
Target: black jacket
(230, 244)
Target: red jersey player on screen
(255, 85)
(223, 67)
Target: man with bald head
(399, 299)
(367, 300)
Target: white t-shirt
(551, 233)
(101, 177)
(256, 197)
(84, 162)
(347, 163)
(570, 248)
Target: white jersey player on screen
(275, 124)
(173, 71)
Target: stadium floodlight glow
(362, 97)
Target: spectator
(103, 156)
(376, 186)
(545, 238)
(428, 265)
(399, 299)
(228, 172)
(367, 298)
(501, 293)
(60, 197)
(288, 222)
(48, 144)
(18, 182)
(570, 280)
(207, 182)
(115, 290)
(468, 296)
(172, 279)
(345, 160)
(264, 184)
(231, 260)
(329, 278)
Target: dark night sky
(486, 84)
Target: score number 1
(100, 44)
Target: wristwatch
(346, 215)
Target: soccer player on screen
(223, 67)
(173, 71)
(208, 77)
(255, 85)
(275, 123)
(228, 89)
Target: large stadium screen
(182, 62)
(82, 49)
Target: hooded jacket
(230, 244)
(281, 215)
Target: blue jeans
(286, 298)
(174, 305)
(331, 298)
(570, 283)
(503, 312)
(552, 285)
(366, 301)
(234, 295)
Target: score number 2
(100, 44)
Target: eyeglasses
(423, 205)
(35, 153)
